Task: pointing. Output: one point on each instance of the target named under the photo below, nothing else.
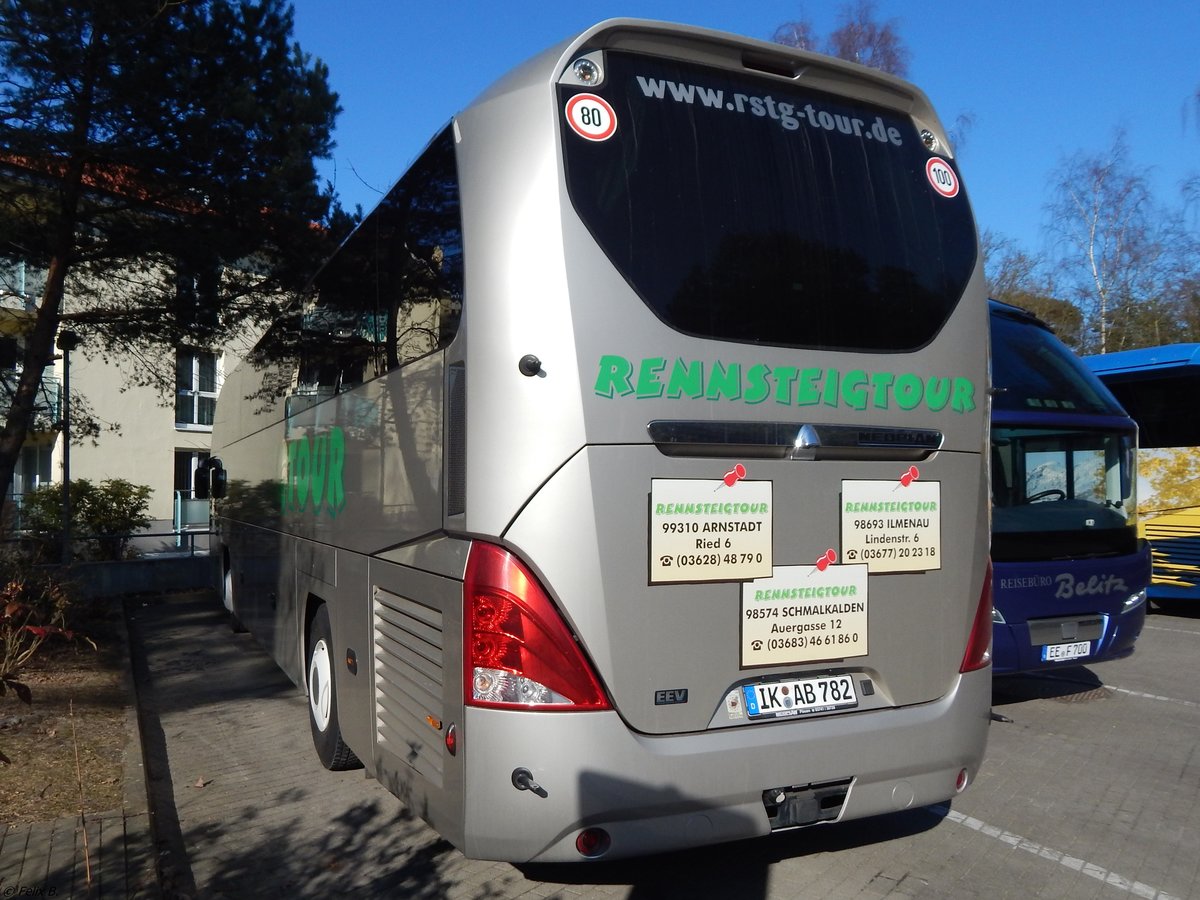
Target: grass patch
(80, 698)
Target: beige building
(157, 442)
(146, 436)
(153, 436)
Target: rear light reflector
(979, 644)
(593, 842)
(518, 652)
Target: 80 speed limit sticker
(591, 117)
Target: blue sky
(1043, 80)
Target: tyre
(322, 697)
(227, 599)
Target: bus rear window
(751, 210)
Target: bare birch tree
(1024, 279)
(860, 37)
(1122, 257)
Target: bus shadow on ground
(1074, 683)
(738, 869)
(375, 849)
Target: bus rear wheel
(228, 600)
(322, 697)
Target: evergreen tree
(157, 168)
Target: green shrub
(102, 517)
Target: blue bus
(1150, 383)
(1070, 571)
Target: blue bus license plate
(799, 697)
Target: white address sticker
(892, 526)
(804, 614)
(703, 530)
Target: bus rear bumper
(653, 794)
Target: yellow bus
(1157, 386)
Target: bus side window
(394, 291)
(425, 304)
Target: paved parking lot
(1089, 791)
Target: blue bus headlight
(1134, 601)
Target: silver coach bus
(620, 486)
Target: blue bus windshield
(1034, 370)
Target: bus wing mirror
(219, 481)
(211, 480)
(200, 481)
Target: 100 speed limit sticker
(941, 177)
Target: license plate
(1075, 650)
(799, 697)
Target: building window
(20, 281)
(10, 354)
(196, 284)
(33, 468)
(195, 389)
(186, 463)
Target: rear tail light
(518, 652)
(979, 644)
